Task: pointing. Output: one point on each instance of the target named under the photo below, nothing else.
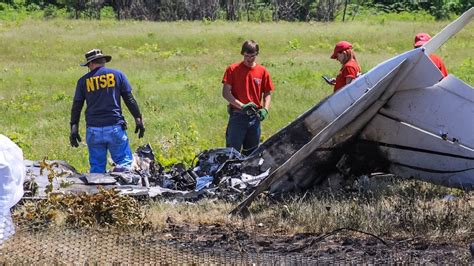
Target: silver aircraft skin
(428, 133)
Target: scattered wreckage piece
(36, 180)
(318, 137)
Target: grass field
(176, 70)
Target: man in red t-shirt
(247, 87)
(420, 40)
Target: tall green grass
(176, 71)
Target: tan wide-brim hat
(95, 54)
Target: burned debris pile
(216, 173)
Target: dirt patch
(186, 243)
(338, 245)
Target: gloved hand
(249, 105)
(74, 137)
(262, 113)
(249, 108)
(140, 129)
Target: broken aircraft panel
(428, 133)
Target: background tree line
(255, 10)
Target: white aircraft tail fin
(449, 31)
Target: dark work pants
(243, 132)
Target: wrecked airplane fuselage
(419, 124)
(409, 120)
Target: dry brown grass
(202, 212)
(386, 207)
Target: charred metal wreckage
(216, 171)
(401, 117)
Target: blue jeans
(243, 132)
(112, 138)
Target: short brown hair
(250, 47)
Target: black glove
(74, 137)
(140, 129)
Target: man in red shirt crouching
(247, 87)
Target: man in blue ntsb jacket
(102, 89)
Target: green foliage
(19, 139)
(381, 15)
(182, 148)
(25, 102)
(61, 96)
(148, 48)
(248, 10)
(465, 70)
(439, 9)
(50, 11)
(5, 7)
(8, 12)
(107, 13)
(33, 8)
(257, 12)
(294, 44)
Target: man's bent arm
(227, 94)
(76, 111)
(132, 105)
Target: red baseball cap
(340, 46)
(421, 39)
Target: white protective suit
(12, 175)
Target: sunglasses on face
(250, 55)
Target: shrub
(50, 12)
